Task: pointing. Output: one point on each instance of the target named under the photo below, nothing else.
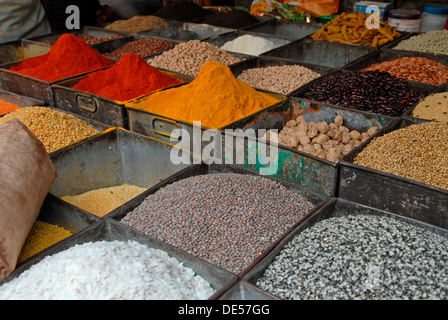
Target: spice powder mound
(418, 152)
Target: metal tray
(87, 30)
(187, 31)
(20, 50)
(161, 127)
(424, 88)
(266, 61)
(390, 192)
(322, 53)
(388, 54)
(244, 290)
(316, 199)
(19, 100)
(221, 40)
(110, 230)
(95, 107)
(114, 157)
(302, 168)
(334, 208)
(442, 88)
(286, 29)
(112, 45)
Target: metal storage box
(112, 158)
(322, 53)
(187, 31)
(20, 100)
(393, 193)
(20, 50)
(333, 208)
(286, 29)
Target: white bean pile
(279, 79)
(107, 270)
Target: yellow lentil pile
(418, 152)
(41, 236)
(102, 201)
(433, 107)
(53, 128)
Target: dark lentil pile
(372, 91)
(362, 257)
(226, 219)
(142, 48)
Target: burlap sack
(26, 175)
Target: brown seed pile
(227, 219)
(280, 79)
(53, 128)
(102, 201)
(189, 57)
(326, 141)
(90, 40)
(137, 24)
(418, 152)
(433, 107)
(41, 236)
(143, 48)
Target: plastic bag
(26, 175)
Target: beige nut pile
(326, 141)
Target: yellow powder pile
(41, 236)
(102, 201)
(216, 98)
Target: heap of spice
(433, 107)
(418, 152)
(353, 28)
(127, 79)
(143, 48)
(102, 201)
(417, 69)
(216, 98)
(90, 40)
(42, 236)
(6, 107)
(434, 41)
(53, 128)
(69, 56)
(137, 24)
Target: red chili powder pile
(68, 56)
(128, 78)
(6, 107)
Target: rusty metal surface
(20, 50)
(20, 100)
(283, 28)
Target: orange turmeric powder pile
(215, 97)
(6, 107)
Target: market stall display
(430, 42)
(433, 107)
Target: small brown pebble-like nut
(372, 131)
(334, 126)
(312, 132)
(346, 149)
(300, 148)
(322, 127)
(317, 147)
(345, 137)
(311, 124)
(355, 135)
(356, 143)
(304, 140)
(291, 123)
(339, 120)
(331, 133)
(333, 155)
(343, 129)
(322, 138)
(300, 119)
(308, 149)
(321, 154)
(327, 145)
(292, 142)
(337, 136)
(303, 126)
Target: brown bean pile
(142, 48)
(227, 219)
(417, 152)
(280, 79)
(90, 40)
(326, 141)
(137, 24)
(189, 57)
